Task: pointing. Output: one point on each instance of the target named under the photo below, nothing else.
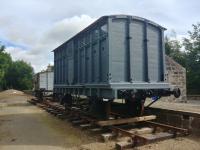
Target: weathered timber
(96, 129)
(85, 126)
(144, 130)
(157, 136)
(123, 145)
(143, 139)
(125, 120)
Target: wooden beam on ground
(125, 120)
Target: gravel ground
(26, 127)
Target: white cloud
(43, 25)
(66, 28)
(21, 54)
(40, 55)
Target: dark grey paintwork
(115, 52)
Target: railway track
(132, 131)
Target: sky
(31, 29)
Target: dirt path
(27, 127)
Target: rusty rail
(168, 127)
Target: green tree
(20, 75)
(192, 47)
(17, 74)
(173, 49)
(2, 48)
(5, 61)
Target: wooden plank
(85, 126)
(144, 130)
(96, 130)
(127, 133)
(130, 133)
(157, 136)
(143, 139)
(123, 145)
(125, 120)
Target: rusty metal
(168, 127)
(135, 137)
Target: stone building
(176, 75)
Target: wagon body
(113, 54)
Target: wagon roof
(112, 16)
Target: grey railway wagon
(115, 53)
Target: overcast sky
(32, 28)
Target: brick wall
(176, 75)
